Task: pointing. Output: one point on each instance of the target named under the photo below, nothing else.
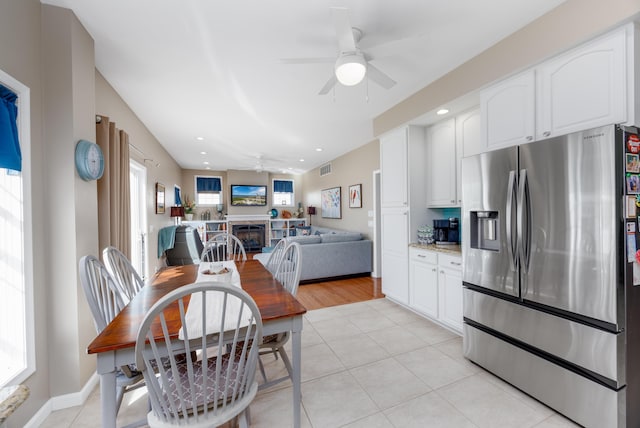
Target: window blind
(283, 186)
(208, 184)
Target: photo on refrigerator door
(633, 184)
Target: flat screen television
(248, 196)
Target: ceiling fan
(352, 65)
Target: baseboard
(63, 402)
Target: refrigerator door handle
(524, 238)
(511, 245)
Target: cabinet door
(468, 143)
(393, 167)
(450, 289)
(507, 110)
(423, 283)
(584, 88)
(395, 255)
(441, 161)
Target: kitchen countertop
(449, 249)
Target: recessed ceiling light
(319, 149)
(203, 153)
(301, 160)
(442, 111)
(200, 138)
(208, 167)
(290, 167)
(206, 162)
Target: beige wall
(20, 45)
(68, 107)
(569, 24)
(240, 177)
(355, 167)
(109, 103)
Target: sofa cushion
(305, 239)
(341, 237)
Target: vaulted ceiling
(223, 77)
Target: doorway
(377, 231)
(138, 191)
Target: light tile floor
(371, 364)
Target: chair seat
(215, 391)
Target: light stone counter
(11, 398)
(449, 249)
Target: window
(283, 193)
(208, 190)
(17, 340)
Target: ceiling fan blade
(329, 85)
(379, 77)
(344, 32)
(306, 60)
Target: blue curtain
(208, 184)
(10, 156)
(176, 196)
(283, 186)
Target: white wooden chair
(275, 256)
(223, 246)
(288, 273)
(123, 272)
(105, 303)
(220, 385)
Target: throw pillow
(303, 230)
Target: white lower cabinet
(435, 286)
(423, 280)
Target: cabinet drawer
(450, 262)
(424, 256)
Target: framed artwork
(355, 196)
(633, 163)
(331, 203)
(160, 198)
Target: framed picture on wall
(160, 198)
(331, 203)
(355, 196)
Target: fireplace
(252, 236)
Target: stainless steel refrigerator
(550, 235)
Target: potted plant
(189, 207)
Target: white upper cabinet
(508, 112)
(468, 143)
(584, 88)
(393, 164)
(441, 161)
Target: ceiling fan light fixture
(351, 68)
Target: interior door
(488, 220)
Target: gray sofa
(328, 253)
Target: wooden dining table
(115, 345)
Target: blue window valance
(10, 156)
(176, 196)
(208, 184)
(283, 186)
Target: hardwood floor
(324, 294)
(339, 292)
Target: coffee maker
(446, 231)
